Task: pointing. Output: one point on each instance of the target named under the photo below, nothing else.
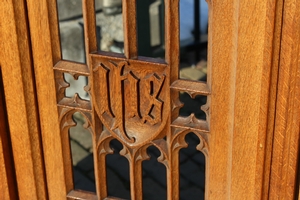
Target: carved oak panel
(130, 96)
(132, 99)
(136, 100)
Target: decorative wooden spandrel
(130, 97)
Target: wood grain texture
(44, 37)
(16, 66)
(88, 10)
(130, 29)
(286, 132)
(253, 83)
(81, 195)
(129, 95)
(240, 60)
(278, 6)
(8, 184)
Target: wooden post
(242, 43)
(17, 71)
(8, 185)
(284, 166)
(46, 51)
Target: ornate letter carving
(129, 99)
(154, 106)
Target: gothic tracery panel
(134, 100)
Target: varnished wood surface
(251, 132)
(46, 52)
(284, 166)
(130, 29)
(20, 96)
(81, 195)
(273, 92)
(240, 57)
(8, 184)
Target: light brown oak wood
(250, 137)
(241, 47)
(285, 163)
(20, 97)
(46, 52)
(8, 185)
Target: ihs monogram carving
(130, 100)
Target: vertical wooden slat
(250, 112)
(101, 150)
(88, 10)
(172, 52)
(220, 29)
(17, 71)
(286, 133)
(43, 32)
(55, 36)
(172, 36)
(173, 176)
(240, 61)
(130, 29)
(100, 174)
(91, 45)
(8, 186)
(278, 6)
(136, 188)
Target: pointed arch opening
(154, 176)
(192, 170)
(82, 155)
(117, 172)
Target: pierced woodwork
(132, 99)
(192, 162)
(250, 137)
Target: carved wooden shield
(130, 97)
